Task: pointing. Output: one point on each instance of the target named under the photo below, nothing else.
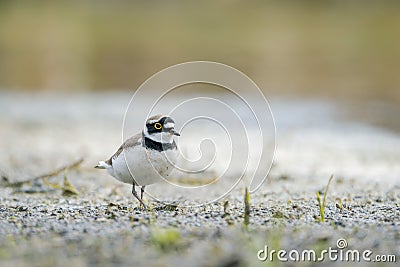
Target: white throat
(163, 137)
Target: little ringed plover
(146, 157)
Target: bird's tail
(102, 165)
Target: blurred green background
(344, 49)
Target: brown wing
(133, 141)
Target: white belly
(143, 166)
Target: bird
(147, 157)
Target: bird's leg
(141, 192)
(136, 195)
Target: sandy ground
(103, 225)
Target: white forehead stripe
(169, 125)
(152, 121)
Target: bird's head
(160, 128)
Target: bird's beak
(174, 132)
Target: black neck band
(151, 144)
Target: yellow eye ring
(157, 125)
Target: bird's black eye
(157, 126)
